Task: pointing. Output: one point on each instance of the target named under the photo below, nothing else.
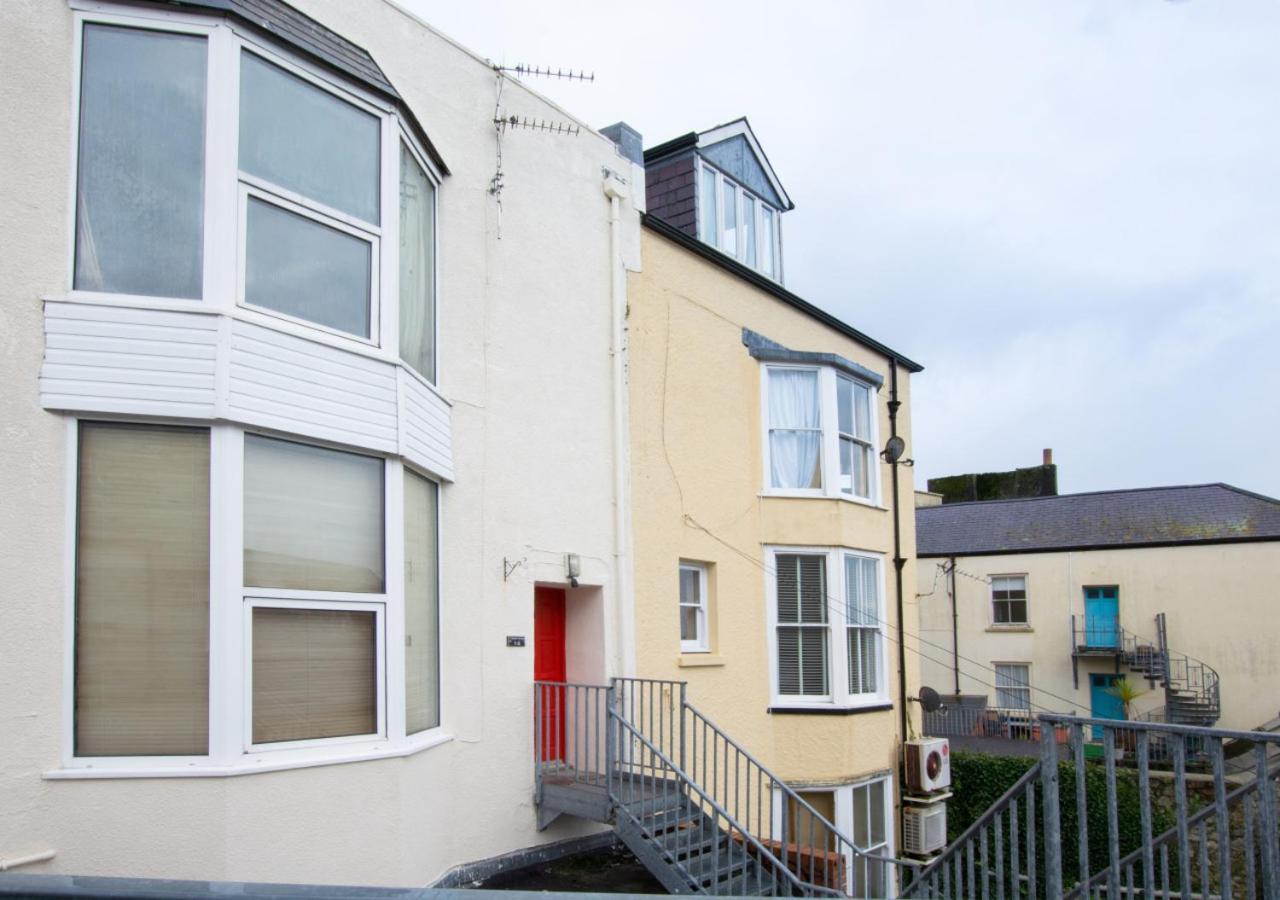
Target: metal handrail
(709, 801)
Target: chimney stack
(1048, 456)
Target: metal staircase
(1192, 689)
(700, 812)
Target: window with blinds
(802, 624)
(142, 591)
(862, 623)
(1013, 686)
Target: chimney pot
(1048, 456)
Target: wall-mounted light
(572, 568)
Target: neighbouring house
(306, 401)
(1044, 603)
(763, 539)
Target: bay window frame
(829, 422)
(224, 233)
(231, 750)
(837, 627)
(739, 250)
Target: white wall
(525, 361)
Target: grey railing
(957, 721)
(1145, 833)
(806, 842)
(570, 733)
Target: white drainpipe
(617, 190)
(14, 861)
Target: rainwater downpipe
(955, 627)
(617, 190)
(898, 561)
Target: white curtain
(795, 435)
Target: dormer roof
(734, 149)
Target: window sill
(828, 710)
(695, 660)
(252, 764)
(814, 495)
(1010, 629)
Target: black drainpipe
(898, 561)
(955, 628)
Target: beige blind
(142, 591)
(312, 517)
(421, 605)
(314, 674)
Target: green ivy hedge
(978, 780)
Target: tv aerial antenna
(504, 121)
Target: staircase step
(711, 867)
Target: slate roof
(1143, 517)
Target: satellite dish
(894, 449)
(930, 699)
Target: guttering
(772, 287)
(955, 624)
(1084, 548)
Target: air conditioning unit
(928, 765)
(924, 828)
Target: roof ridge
(1248, 493)
(1166, 487)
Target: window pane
(749, 229)
(690, 585)
(801, 587)
(1012, 687)
(862, 410)
(689, 623)
(795, 441)
(769, 242)
(302, 268)
(417, 267)
(729, 237)
(877, 811)
(707, 206)
(844, 402)
(142, 591)
(314, 674)
(421, 605)
(140, 190)
(802, 661)
(312, 517)
(306, 140)
(864, 663)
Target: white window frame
(231, 751)
(838, 696)
(992, 601)
(844, 812)
(738, 251)
(702, 644)
(995, 665)
(225, 184)
(829, 421)
(364, 603)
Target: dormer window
(737, 221)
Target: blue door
(1102, 617)
(1103, 705)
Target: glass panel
(768, 242)
(861, 817)
(421, 605)
(729, 237)
(302, 268)
(689, 623)
(844, 402)
(417, 267)
(306, 140)
(749, 229)
(140, 189)
(690, 586)
(312, 517)
(314, 674)
(707, 206)
(142, 591)
(795, 455)
(877, 811)
(862, 410)
(862, 462)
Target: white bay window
(821, 433)
(827, 630)
(736, 221)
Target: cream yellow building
(763, 513)
(1043, 603)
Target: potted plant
(1126, 692)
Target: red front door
(549, 665)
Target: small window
(140, 185)
(857, 456)
(802, 630)
(315, 673)
(1013, 686)
(736, 221)
(795, 429)
(693, 608)
(312, 517)
(1009, 600)
(862, 622)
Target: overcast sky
(1068, 212)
